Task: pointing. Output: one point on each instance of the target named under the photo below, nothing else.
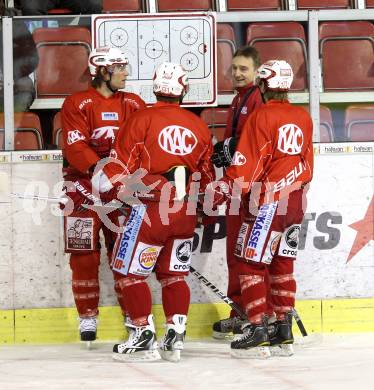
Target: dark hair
(98, 80)
(275, 95)
(249, 52)
(169, 99)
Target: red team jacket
(253, 102)
(90, 123)
(162, 137)
(275, 148)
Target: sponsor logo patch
(290, 241)
(271, 247)
(109, 116)
(181, 255)
(259, 232)
(144, 259)
(123, 254)
(148, 257)
(79, 233)
(239, 247)
(84, 102)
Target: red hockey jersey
(275, 148)
(90, 123)
(165, 136)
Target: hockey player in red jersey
(169, 143)
(90, 121)
(274, 154)
(245, 62)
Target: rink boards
(59, 325)
(334, 270)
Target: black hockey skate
(281, 337)
(140, 346)
(173, 340)
(254, 342)
(227, 327)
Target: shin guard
(85, 282)
(283, 287)
(253, 289)
(136, 296)
(175, 296)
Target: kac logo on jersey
(75, 136)
(238, 159)
(177, 140)
(290, 139)
(109, 116)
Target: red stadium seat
(225, 51)
(57, 130)
(359, 122)
(184, 5)
(112, 6)
(27, 131)
(326, 126)
(253, 5)
(63, 55)
(216, 119)
(283, 41)
(60, 11)
(342, 43)
(225, 31)
(323, 4)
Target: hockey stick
(299, 322)
(219, 293)
(38, 197)
(236, 307)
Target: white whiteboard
(148, 40)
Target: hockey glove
(80, 192)
(223, 152)
(217, 193)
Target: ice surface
(320, 362)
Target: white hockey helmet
(277, 75)
(105, 56)
(170, 79)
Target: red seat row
(359, 122)
(359, 126)
(63, 54)
(232, 5)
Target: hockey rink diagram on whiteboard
(149, 41)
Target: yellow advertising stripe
(348, 315)
(60, 325)
(6, 326)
